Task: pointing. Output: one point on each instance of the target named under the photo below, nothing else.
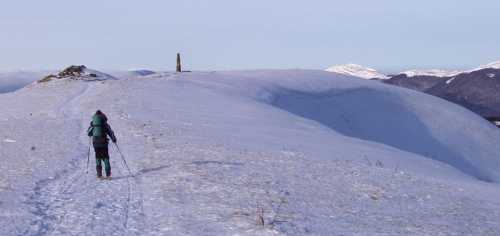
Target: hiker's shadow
(121, 177)
(141, 172)
(152, 170)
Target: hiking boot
(100, 177)
(109, 177)
(99, 170)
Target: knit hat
(98, 112)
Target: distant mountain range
(477, 90)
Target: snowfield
(212, 152)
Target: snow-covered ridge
(492, 65)
(357, 70)
(443, 73)
(11, 80)
(122, 74)
(435, 73)
(98, 75)
(369, 73)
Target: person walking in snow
(99, 130)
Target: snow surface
(123, 74)
(99, 75)
(209, 150)
(357, 70)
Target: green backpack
(98, 125)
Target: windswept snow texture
(357, 70)
(210, 150)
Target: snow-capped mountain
(419, 81)
(357, 70)
(492, 65)
(475, 89)
(268, 152)
(443, 73)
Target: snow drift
(403, 119)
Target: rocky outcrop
(71, 72)
(78, 73)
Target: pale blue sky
(390, 36)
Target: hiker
(99, 130)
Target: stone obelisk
(178, 62)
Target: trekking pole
(124, 160)
(88, 157)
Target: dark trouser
(101, 153)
